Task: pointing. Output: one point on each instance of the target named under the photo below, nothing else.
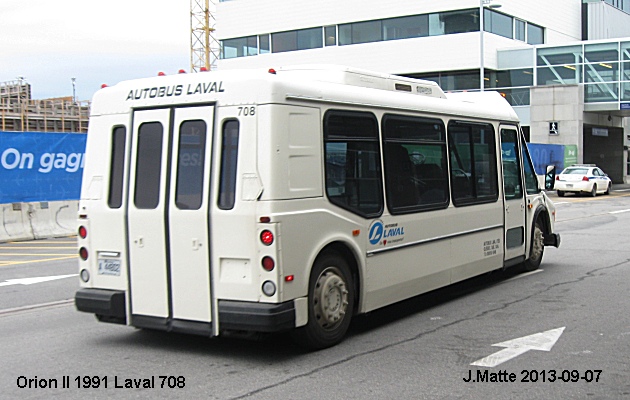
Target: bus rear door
(168, 220)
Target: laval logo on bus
(379, 231)
(376, 232)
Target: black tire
(536, 249)
(330, 303)
(594, 190)
(560, 193)
(608, 189)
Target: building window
(360, 32)
(516, 96)
(302, 39)
(512, 77)
(406, 27)
(499, 24)
(451, 22)
(263, 44)
(559, 65)
(601, 92)
(239, 47)
(535, 34)
(416, 175)
(353, 162)
(519, 30)
(473, 163)
(330, 34)
(601, 52)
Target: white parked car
(582, 178)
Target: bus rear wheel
(330, 303)
(536, 250)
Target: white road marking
(31, 281)
(526, 274)
(619, 212)
(542, 341)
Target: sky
(49, 42)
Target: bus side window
(415, 163)
(117, 167)
(353, 167)
(229, 158)
(473, 163)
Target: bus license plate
(108, 266)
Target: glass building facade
(379, 30)
(603, 67)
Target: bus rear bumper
(107, 305)
(256, 317)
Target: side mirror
(550, 177)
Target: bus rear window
(117, 167)
(229, 158)
(190, 165)
(148, 165)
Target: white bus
(265, 201)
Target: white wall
(607, 22)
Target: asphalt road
(576, 307)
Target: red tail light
(82, 232)
(557, 177)
(83, 253)
(585, 178)
(268, 264)
(266, 237)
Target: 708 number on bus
(246, 111)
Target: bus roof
(306, 82)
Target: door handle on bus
(139, 241)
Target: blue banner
(546, 154)
(39, 166)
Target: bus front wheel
(536, 250)
(330, 303)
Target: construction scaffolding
(20, 113)
(204, 47)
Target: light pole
(74, 90)
(482, 4)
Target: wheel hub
(331, 299)
(537, 246)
